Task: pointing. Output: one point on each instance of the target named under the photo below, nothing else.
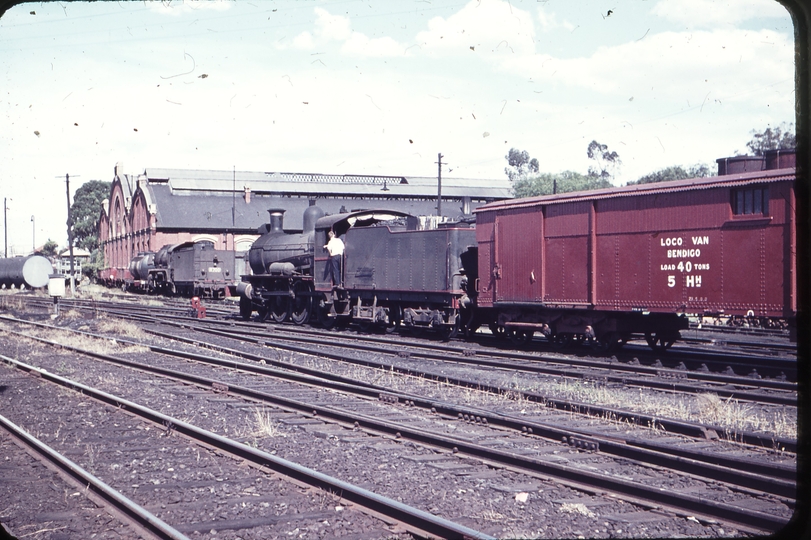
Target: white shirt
(335, 246)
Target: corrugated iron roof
(732, 180)
(327, 184)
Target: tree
(781, 137)
(84, 213)
(605, 162)
(520, 164)
(676, 172)
(564, 182)
(49, 249)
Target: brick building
(167, 206)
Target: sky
(350, 87)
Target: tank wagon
(187, 269)
(391, 272)
(33, 271)
(606, 265)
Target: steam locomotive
(393, 273)
(186, 269)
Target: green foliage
(605, 163)
(84, 213)
(96, 263)
(676, 172)
(49, 249)
(520, 164)
(564, 182)
(781, 137)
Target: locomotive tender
(392, 274)
(187, 269)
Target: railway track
(576, 440)
(693, 362)
(110, 418)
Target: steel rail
(670, 425)
(673, 426)
(716, 358)
(545, 369)
(131, 509)
(744, 473)
(684, 502)
(417, 520)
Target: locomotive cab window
(750, 201)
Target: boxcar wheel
(519, 338)
(660, 342)
(497, 331)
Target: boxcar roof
(731, 180)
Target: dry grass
(265, 425)
(119, 327)
(730, 415)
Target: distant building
(167, 206)
(62, 262)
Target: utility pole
(439, 185)
(33, 235)
(70, 237)
(5, 224)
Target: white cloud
(549, 21)
(185, 7)
(715, 13)
(721, 61)
(490, 26)
(329, 29)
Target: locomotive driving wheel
(279, 308)
(302, 303)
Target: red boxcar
(607, 264)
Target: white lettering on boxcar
(683, 253)
(686, 262)
(692, 281)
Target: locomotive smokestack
(276, 219)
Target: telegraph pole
(439, 185)
(70, 236)
(5, 224)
